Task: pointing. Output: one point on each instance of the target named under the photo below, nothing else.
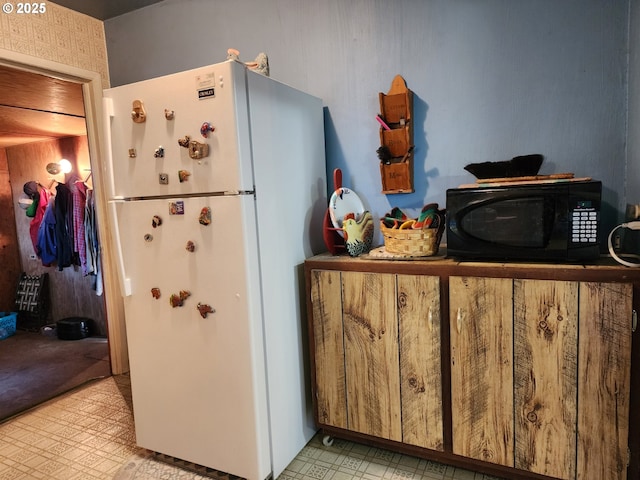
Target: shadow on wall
(333, 151)
(608, 217)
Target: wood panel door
(545, 376)
(328, 347)
(371, 354)
(481, 321)
(604, 380)
(420, 360)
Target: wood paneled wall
(9, 254)
(72, 293)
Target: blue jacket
(46, 246)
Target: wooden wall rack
(396, 138)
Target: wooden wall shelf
(396, 109)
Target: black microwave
(543, 221)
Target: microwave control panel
(584, 223)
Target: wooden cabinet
(538, 371)
(419, 320)
(546, 323)
(514, 370)
(330, 400)
(482, 369)
(371, 350)
(377, 355)
(604, 391)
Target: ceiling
(104, 9)
(35, 108)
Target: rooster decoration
(358, 233)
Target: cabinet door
(420, 360)
(604, 380)
(371, 354)
(545, 376)
(326, 324)
(481, 319)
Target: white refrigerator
(218, 188)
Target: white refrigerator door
(145, 156)
(199, 388)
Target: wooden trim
(434, 455)
(602, 270)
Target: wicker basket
(415, 243)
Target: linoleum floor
(88, 434)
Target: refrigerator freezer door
(148, 121)
(199, 389)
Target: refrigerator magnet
(155, 293)
(206, 128)
(156, 221)
(198, 150)
(163, 179)
(177, 299)
(169, 114)
(159, 152)
(183, 175)
(190, 247)
(138, 113)
(205, 309)
(176, 208)
(184, 142)
(205, 216)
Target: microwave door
(524, 222)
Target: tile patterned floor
(87, 434)
(346, 460)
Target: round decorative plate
(344, 201)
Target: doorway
(90, 86)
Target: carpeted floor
(36, 367)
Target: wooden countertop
(605, 269)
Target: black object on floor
(32, 301)
(73, 328)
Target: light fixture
(62, 166)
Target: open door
(92, 94)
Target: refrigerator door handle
(107, 108)
(125, 282)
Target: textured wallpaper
(57, 34)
